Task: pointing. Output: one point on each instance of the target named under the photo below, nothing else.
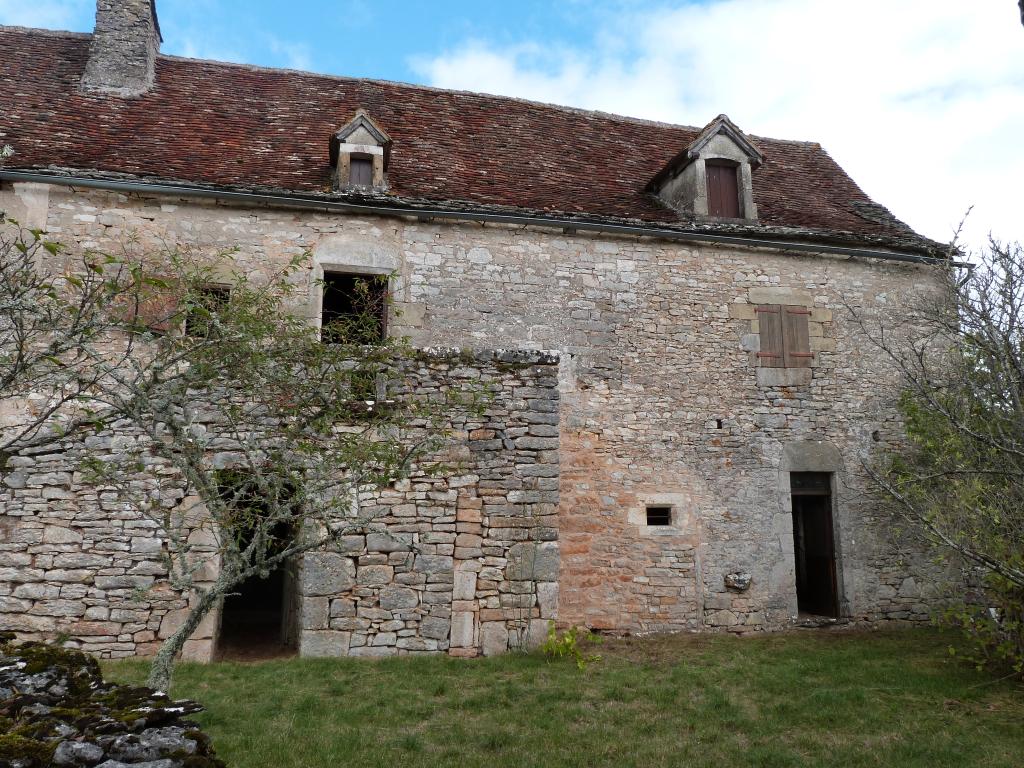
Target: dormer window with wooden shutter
(785, 337)
(712, 177)
(360, 152)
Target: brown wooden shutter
(772, 354)
(361, 171)
(723, 191)
(796, 340)
(152, 304)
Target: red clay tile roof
(240, 127)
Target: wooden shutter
(796, 340)
(723, 191)
(772, 354)
(149, 305)
(361, 171)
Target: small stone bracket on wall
(738, 581)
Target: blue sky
(350, 37)
(922, 101)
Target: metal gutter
(482, 216)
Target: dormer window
(713, 176)
(723, 190)
(360, 152)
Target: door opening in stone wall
(259, 619)
(814, 543)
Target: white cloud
(921, 101)
(46, 14)
(292, 55)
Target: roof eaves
(398, 205)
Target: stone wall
(464, 563)
(662, 400)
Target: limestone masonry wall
(661, 399)
(465, 563)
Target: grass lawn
(807, 699)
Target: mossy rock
(59, 695)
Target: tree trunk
(163, 663)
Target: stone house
(684, 401)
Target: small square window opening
(206, 303)
(658, 515)
(354, 309)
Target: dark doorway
(259, 619)
(813, 543)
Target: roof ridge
(41, 31)
(596, 113)
(435, 89)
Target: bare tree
(239, 430)
(250, 437)
(960, 477)
(49, 320)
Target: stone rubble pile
(56, 710)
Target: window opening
(207, 301)
(354, 309)
(723, 190)
(360, 171)
(659, 515)
(814, 543)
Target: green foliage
(959, 478)
(567, 645)
(995, 635)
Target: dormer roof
(720, 126)
(362, 120)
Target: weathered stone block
(314, 612)
(388, 542)
(323, 643)
(533, 562)
(435, 628)
(433, 563)
(463, 629)
(326, 573)
(53, 534)
(464, 587)
(398, 598)
(493, 638)
(375, 575)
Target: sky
(921, 101)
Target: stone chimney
(122, 55)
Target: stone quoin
(683, 399)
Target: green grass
(809, 699)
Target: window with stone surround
(661, 514)
(354, 308)
(784, 335)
